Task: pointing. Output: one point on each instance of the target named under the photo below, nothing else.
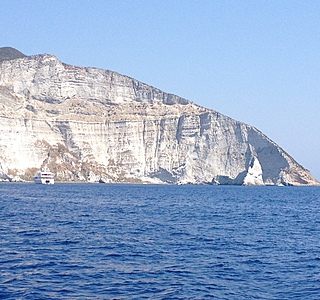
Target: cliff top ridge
(8, 53)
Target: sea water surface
(96, 241)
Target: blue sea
(99, 241)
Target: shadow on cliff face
(226, 180)
(164, 176)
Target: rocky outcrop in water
(88, 124)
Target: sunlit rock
(254, 175)
(92, 125)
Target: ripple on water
(159, 242)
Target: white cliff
(89, 124)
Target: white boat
(44, 177)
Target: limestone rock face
(88, 124)
(254, 175)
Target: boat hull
(44, 181)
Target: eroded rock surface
(88, 124)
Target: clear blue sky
(255, 61)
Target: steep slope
(89, 124)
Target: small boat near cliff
(44, 177)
